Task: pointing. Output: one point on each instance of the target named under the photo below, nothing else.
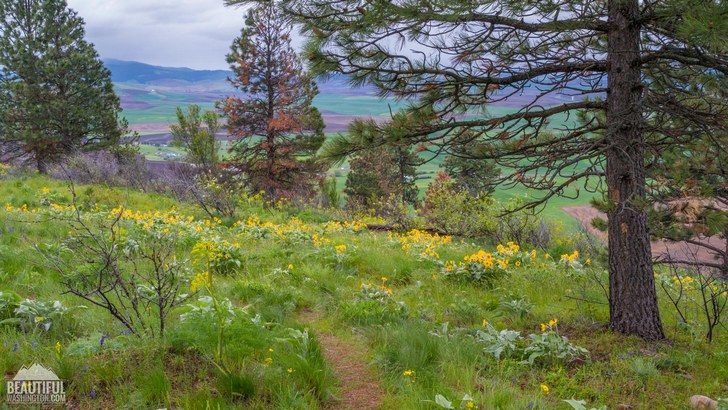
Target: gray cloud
(178, 33)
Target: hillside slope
(434, 319)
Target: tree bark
(632, 293)
(40, 162)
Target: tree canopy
(196, 133)
(56, 96)
(276, 129)
(382, 173)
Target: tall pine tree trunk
(632, 294)
(40, 162)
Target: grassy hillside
(310, 297)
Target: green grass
(427, 325)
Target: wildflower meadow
(140, 301)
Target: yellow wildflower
(268, 360)
(201, 279)
(58, 347)
(543, 327)
(408, 373)
(545, 389)
(291, 370)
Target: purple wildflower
(103, 338)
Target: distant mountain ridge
(136, 72)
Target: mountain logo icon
(35, 372)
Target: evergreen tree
(277, 130)
(56, 96)
(197, 135)
(380, 172)
(471, 174)
(634, 70)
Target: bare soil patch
(662, 249)
(358, 385)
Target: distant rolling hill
(136, 72)
(150, 95)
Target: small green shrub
(515, 307)
(457, 212)
(550, 348)
(32, 315)
(8, 303)
(500, 344)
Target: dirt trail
(661, 250)
(359, 388)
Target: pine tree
(56, 96)
(277, 130)
(379, 174)
(382, 171)
(634, 70)
(469, 173)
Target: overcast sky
(173, 33)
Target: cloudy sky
(174, 33)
